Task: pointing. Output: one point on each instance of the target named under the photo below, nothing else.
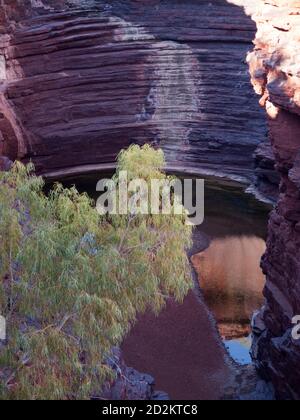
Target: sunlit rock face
(232, 281)
(84, 79)
(275, 69)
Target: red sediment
(181, 350)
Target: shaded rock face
(83, 79)
(275, 69)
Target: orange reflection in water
(232, 281)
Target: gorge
(82, 79)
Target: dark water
(228, 247)
(230, 277)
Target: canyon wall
(79, 80)
(275, 69)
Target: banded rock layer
(83, 79)
(275, 69)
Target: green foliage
(72, 281)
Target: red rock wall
(87, 78)
(275, 68)
(79, 80)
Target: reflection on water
(233, 234)
(232, 241)
(232, 282)
(239, 349)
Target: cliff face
(275, 69)
(83, 79)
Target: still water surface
(229, 270)
(228, 247)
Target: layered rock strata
(275, 69)
(83, 79)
